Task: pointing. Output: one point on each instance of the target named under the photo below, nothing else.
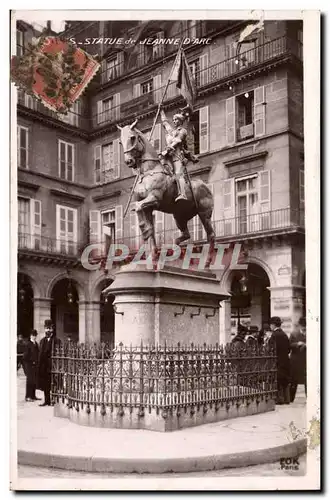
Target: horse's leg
(144, 210)
(182, 226)
(210, 235)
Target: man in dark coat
(30, 357)
(282, 345)
(45, 360)
(298, 359)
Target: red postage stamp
(54, 71)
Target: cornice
(66, 194)
(244, 159)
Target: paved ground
(268, 470)
(44, 436)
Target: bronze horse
(156, 189)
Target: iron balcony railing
(265, 223)
(45, 244)
(73, 117)
(222, 70)
(236, 227)
(120, 66)
(262, 53)
(168, 380)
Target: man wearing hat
(282, 344)
(176, 151)
(298, 359)
(45, 360)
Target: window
(22, 146)
(108, 109)
(66, 160)
(72, 118)
(107, 162)
(198, 131)
(23, 222)
(247, 207)
(108, 219)
(29, 223)
(19, 43)
(193, 134)
(245, 103)
(111, 67)
(66, 229)
(105, 226)
(192, 29)
(147, 87)
(195, 71)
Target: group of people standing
(37, 363)
(290, 352)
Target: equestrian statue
(162, 181)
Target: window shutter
(228, 207)
(204, 129)
(259, 111)
(116, 159)
(302, 186)
(264, 197)
(120, 63)
(203, 64)
(97, 164)
(197, 229)
(159, 49)
(36, 224)
(103, 71)
(136, 90)
(159, 218)
(75, 229)
(230, 65)
(230, 120)
(157, 88)
(95, 226)
(211, 187)
(59, 233)
(119, 223)
(70, 162)
(157, 137)
(116, 105)
(100, 115)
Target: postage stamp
(165, 315)
(54, 71)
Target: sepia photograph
(163, 287)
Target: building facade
(247, 130)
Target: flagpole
(164, 93)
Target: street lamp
(243, 284)
(70, 291)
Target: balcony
(261, 225)
(151, 53)
(73, 117)
(44, 245)
(216, 74)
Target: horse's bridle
(138, 138)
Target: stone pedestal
(170, 305)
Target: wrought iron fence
(165, 379)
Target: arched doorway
(65, 310)
(250, 302)
(107, 315)
(24, 305)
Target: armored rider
(176, 150)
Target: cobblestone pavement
(268, 470)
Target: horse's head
(133, 144)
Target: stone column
(287, 303)
(82, 322)
(93, 330)
(224, 322)
(41, 311)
